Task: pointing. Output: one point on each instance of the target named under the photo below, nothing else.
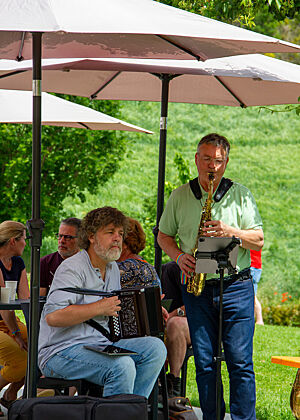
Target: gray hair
(98, 218)
(216, 140)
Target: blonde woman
(13, 333)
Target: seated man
(67, 246)
(63, 331)
(177, 331)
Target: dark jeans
(238, 329)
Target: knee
(176, 327)
(123, 368)
(14, 372)
(157, 348)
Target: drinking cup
(13, 288)
(5, 294)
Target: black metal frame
(222, 258)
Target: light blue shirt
(76, 271)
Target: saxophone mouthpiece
(211, 176)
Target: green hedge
(282, 314)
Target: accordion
(140, 313)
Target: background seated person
(67, 246)
(134, 270)
(177, 331)
(63, 333)
(13, 333)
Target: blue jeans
(255, 274)
(237, 336)
(134, 374)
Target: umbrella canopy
(118, 28)
(16, 108)
(246, 80)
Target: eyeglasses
(208, 159)
(66, 237)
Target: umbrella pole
(165, 78)
(35, 225)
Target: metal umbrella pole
(35, 225)
(165, 79)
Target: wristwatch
(180, 312)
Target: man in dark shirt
(67, 246)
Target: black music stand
(224, 252)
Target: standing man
(234, 212)
(63, 331)
(67, 246)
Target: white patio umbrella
(118, 28)
(233, 81)
(114, 28)
(245, 80)
(15, 107)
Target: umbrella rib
(20, 56)
(12, 73)
(197, 56)
(84, 125)
(242, 105)
(94, 95)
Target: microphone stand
(222, 258)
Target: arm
(43, 291)
(251, 239)
(168, 244)
(76, 314)
(23, 289)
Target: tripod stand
(225, 258)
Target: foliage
(282, 310)
(148, 215)
(242, 12)
(73, 160)
(273, 382)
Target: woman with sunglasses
(13, 333)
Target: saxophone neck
(211, 178)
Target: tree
(242, 12)
(73, 161)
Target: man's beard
(108, 255)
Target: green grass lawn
(273, 382)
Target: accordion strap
(91, 322)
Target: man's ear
(91, 238)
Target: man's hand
(250, 238)
(217, 228)
(109, 306)
(187, 264)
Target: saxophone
(196, 283)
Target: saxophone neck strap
(222, 189)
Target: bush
(282, 314)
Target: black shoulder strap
(92, 323)
(194, 185)
(223, 187)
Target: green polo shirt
(182, 216)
